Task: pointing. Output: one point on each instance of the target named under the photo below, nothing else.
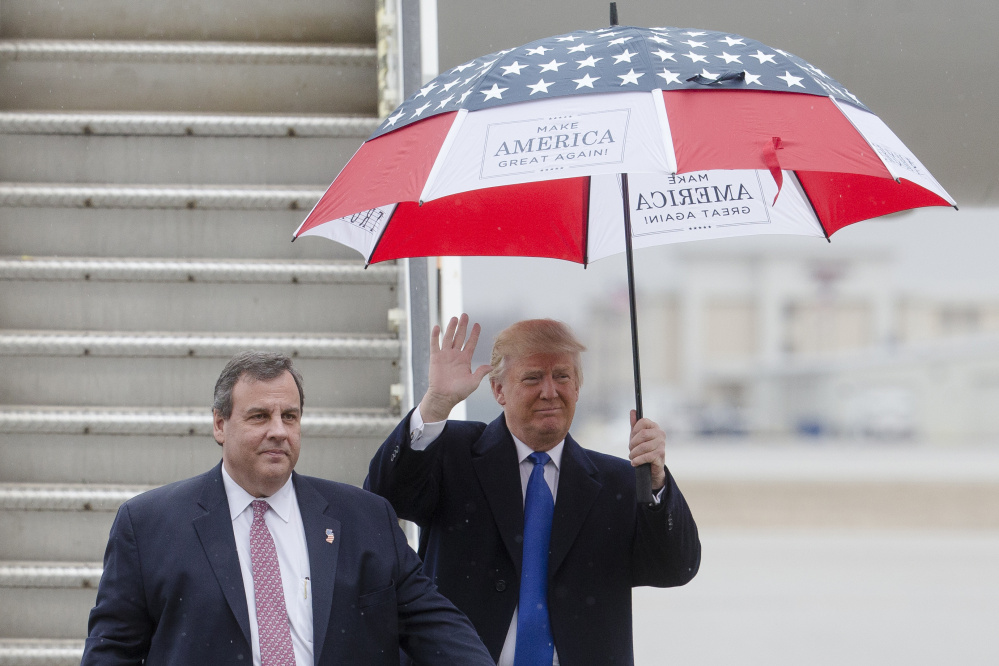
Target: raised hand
(451, 376)
(648, 445)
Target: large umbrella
(584, 145)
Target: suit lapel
(577, 489)
(214, 529)
(494, 459)
(317, 519)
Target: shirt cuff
(658, 497)
(422, 435)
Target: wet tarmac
(834, 555)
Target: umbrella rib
(586, 221)
(442, 154)
(381, 235)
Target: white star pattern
(513, 69)
(494, 93)
(623, 64)
(669, 76)
(624, 57)
(630, 77)
(540, 87)
(791, 80)
(589, 62)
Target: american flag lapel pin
(329, 535)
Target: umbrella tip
(293, 238)
(613, 13)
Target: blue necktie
(535, 645)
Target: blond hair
(536, 336)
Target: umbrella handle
(643, 473)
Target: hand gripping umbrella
(591, 143)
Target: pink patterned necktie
(268, 592)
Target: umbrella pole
(643, 473)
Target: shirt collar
(523, 450)
(239, 499)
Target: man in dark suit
(254, 564)
(542, 586)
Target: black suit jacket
(172, 591)
(465, 492)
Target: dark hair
(261, 366)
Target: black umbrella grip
(643, 483)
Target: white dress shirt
(285, 524)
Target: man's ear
(497, 386)
(218, 427)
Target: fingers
(648, 446)
(435, 339)
(454, 335)
(449, 334)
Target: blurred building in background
(814, 341)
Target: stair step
(65, 496)
(186, 124)
(55, 521)
(239, 162)
(178, 421)
(40, 652)
(50, 574)
(214, 345)
(98, 75)
(302, 20)
(132, 232)
(199, 52)
(194, 270)
(47, 599)
(250, 197)
(207, 149)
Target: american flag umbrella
(587, 144)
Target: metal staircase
(154, 161)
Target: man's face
(538, 394)
(261, 440)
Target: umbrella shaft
(632, 310)
(643, 474)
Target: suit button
(500, 585)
